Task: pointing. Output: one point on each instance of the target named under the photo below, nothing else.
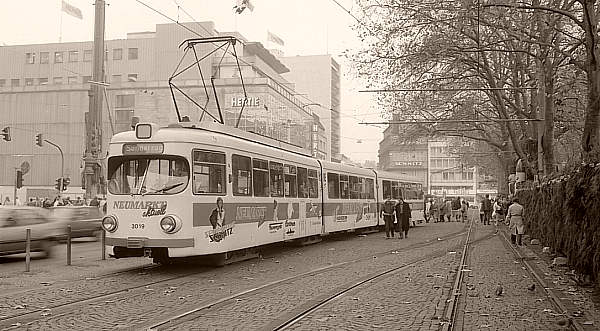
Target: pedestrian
(443, 210)
(487, 210)
(388, 216)
(94, 202)
(7, 202)
(427, 210)
(403, 216)
(463, 210)
(448, 210)
(515, 219)
(481, 213)
(498, 214)
(456, 209)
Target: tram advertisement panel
(269, 222)
(349, 215)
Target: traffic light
(6, 133)
(65, 183)
(39, 139)
(19, 179)
(58, 185)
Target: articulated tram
(208, 190)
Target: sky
(308, 27)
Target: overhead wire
(240, 59)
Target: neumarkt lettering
(153, 205)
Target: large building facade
(443, 174)
(44, 90)
(318, 77)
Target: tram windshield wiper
(164, 188)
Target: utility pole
(93, 118)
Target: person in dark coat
(403, 215)
(387, 212)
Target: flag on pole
(274, 38)
(241, 5)
(71, 10)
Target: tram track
(556, 302)
(310, 306)
(27, 317)
(459, 295)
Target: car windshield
(147, 175)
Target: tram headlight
(170, 224)
(110, 223)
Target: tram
(208, 190)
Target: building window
(73, 56)
(86, 79)
(132, 54)
(58, 57)
(57, 80)
(30, 58)
(28, 81)
(14, 82)
(72, 80)
(87, 55)
(132, 78)
(115, 79)
(123, 115)
(117, 53)
(43, 81)
(126, 101)
(2, 82)
(44, 57)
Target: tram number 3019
(137, 226)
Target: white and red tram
(208, 190)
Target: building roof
(256, 48)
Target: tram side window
(303, 185)
(396, 190)
(344, 191)
(289, 173)
(209, 172)
(355, 187)
(369, 189)
(333, 184)
(260, 173)
(276, 171)
(387, 189)
(242, 175)
(313, 183)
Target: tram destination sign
(143, 148)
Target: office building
(44, 90)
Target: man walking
(388, 216)
(487, 210)
(403, 215)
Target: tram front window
(147, 175)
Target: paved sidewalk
(520, 306)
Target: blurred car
(85, 221)
(14, 222)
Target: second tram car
(204, 189)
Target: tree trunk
(502, 172)
(589, 140)
(548, 140)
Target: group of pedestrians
(451, 210)
(399, 212)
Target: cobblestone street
(263, 293)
